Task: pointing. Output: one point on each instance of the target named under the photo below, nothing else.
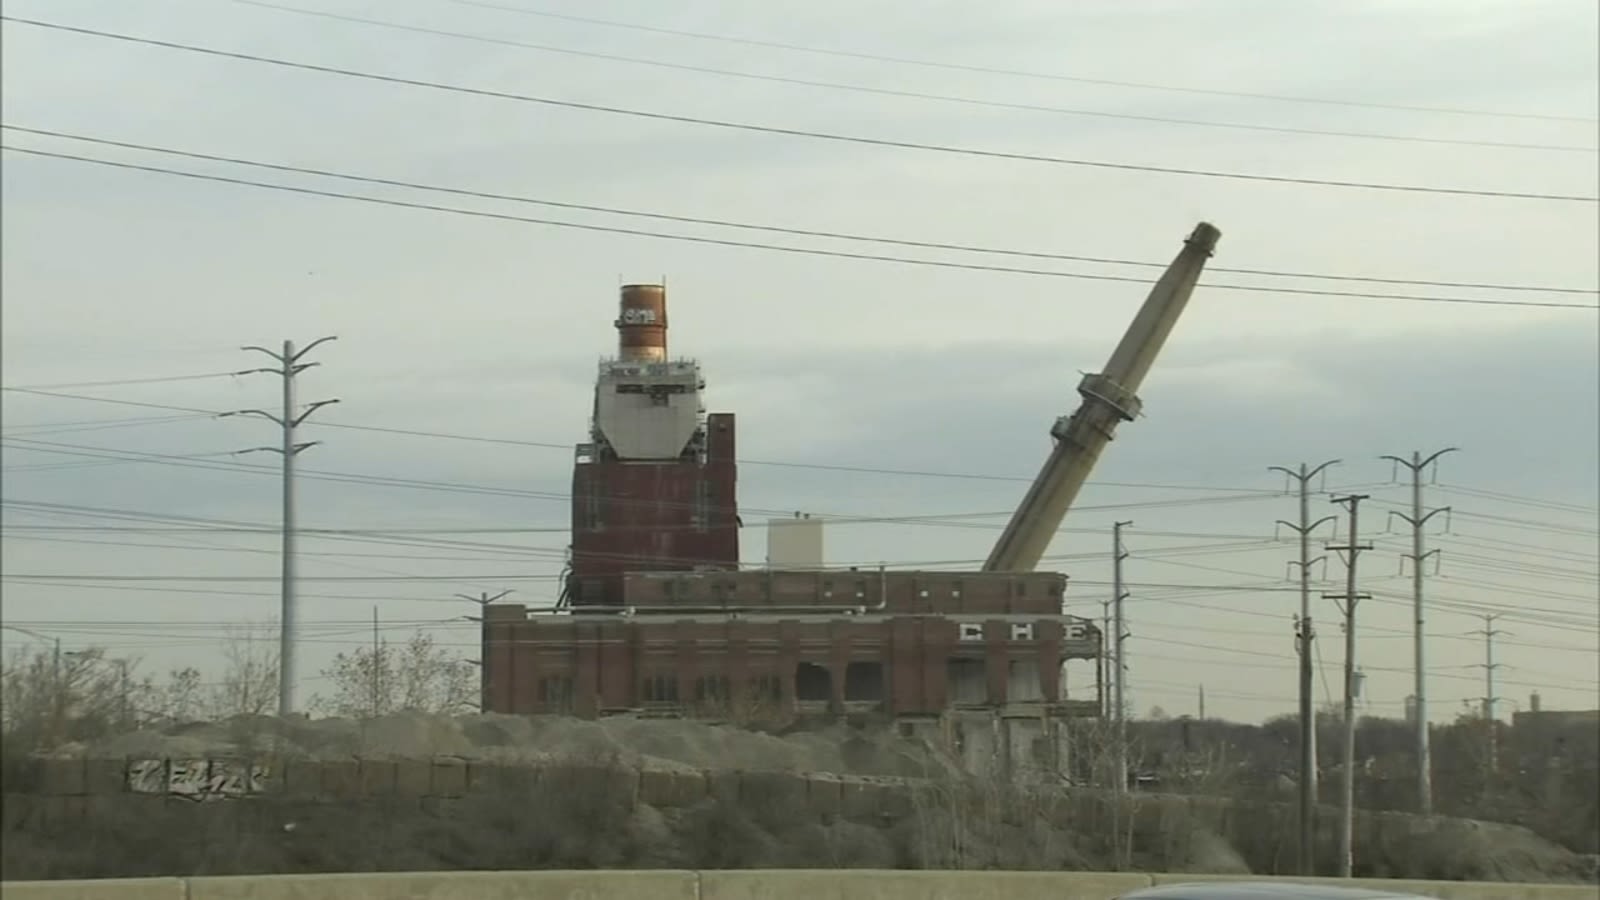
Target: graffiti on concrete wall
(197, 779)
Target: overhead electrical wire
(457, 623)
(1538, 502)
(32, 429)
(1552, 618)
(615, 500)
(804, 133)
(902, 93)
(802, 232)
(1437, 672)
(753, 245)
(124, 381)
(567, 447)
(991, 70)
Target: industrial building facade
(657, 616)
(777, 644)
(653, 489)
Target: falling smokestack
(642, 323)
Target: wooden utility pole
(1304, 635)
(1350, 598)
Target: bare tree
(49, 698)
(182, 697)
(249, 683)
(415, 676)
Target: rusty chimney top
(642, 323)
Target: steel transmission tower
(1489, 633)
(1304, 635)
(1118, 633)
(289, 366)
(1351, 598)
(1417, 519)
(483, 600)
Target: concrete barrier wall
(75, 781)
(724, 885)
(1445, 890)
(106, 889)
(907, 885)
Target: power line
(753, 245)
(95, 425)
(1538, 502)
(488, 490)
(871, 470)
(799, 132)
(122, 381)
(834, 235)
(989, 70)
(97, 461)
(894, 92)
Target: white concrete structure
(794, 543)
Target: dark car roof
(1260, 890)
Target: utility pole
(124, 686)
(288, 367)
(1351, 598)
(1417, 519)
(483, 600)
(1202, 703)
(375, 656)
(1489, 633)
(1304, 635)
(1118, 594)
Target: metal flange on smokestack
(642, 323)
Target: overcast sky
(490, 328)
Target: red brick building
(775, 643)
(657, 615)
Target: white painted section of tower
(794, 543)
(648, 410)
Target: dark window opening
(659, 689)
(812, 682)
(1024, 683)
(863, 681)
(766, 689)
(555, 692)
(701, 509)
(591, 507)
(969, 681)
(711, 689)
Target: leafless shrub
(49, 698)
(417, 676)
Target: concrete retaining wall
(726, 885)
(74, 782)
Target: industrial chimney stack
(654, 489)
(642, 323)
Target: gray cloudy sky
(486, 328)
